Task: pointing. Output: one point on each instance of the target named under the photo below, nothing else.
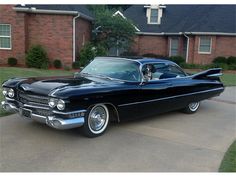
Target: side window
(165, 71)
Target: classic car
(110, 89)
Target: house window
(5, 36)
(154, 16)
(205, 45)
(174, 45)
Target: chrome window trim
(166, 98)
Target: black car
(110, 89)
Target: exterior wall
(54, 33)
(221, 46)
(83, 34)
(151, 44)
(160, 45)
(18, 32)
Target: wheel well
(114, 115)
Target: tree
(112, 30)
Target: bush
(89, 52)
(37, 57)
(177, 59)
(232, 67)
(224, 66)
(152, 55)
(76, 65)
(190, 66)
(67, 68)
(231, 60)
(12, 61)
(57, 64)
(220, 60)
(128, 54)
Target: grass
(9, 72)
(228, 163)
(229, 79)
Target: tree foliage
(112, 31)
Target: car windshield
(114, 69)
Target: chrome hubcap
(97, 118)
(193, 106)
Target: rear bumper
(53, 121)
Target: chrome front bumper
(51, 121)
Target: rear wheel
(191, 108)
(96, 121)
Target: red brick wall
(17, 21)
(151, 44)
(221, 46)
(54, 33)
(83, 34)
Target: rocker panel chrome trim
(166, 98)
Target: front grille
(42, 112)
(32, 99)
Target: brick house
(61, 29)
(199, 33)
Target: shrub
(67, 68)
(12, 61)
(224, 66)
(220, 60)
(76, 65)
(89, 51)
(231, 60)
(57, 64)
(37, 57)
(128, 53)
(190, 66)
(232, 67)
(152, 55)
(177, 59)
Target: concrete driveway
(165, 143)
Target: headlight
(11, 93)
(52, 102)
(61, 105)
(4, 91)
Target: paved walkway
(165, 143)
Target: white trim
(199, 42)
(74, 31)
(43, 11)
(10, 48)
(122, 15)
(189, 33)
(187, 48)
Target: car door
(160, 94)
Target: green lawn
(228, 163)
(9, 72)
(229, 79)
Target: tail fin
(212, 74)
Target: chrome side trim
(215, 75)
(166, 98)
(64, 124)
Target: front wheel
(191, 108)
(96, 121)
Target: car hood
(52, 85)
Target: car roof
(142, 60)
